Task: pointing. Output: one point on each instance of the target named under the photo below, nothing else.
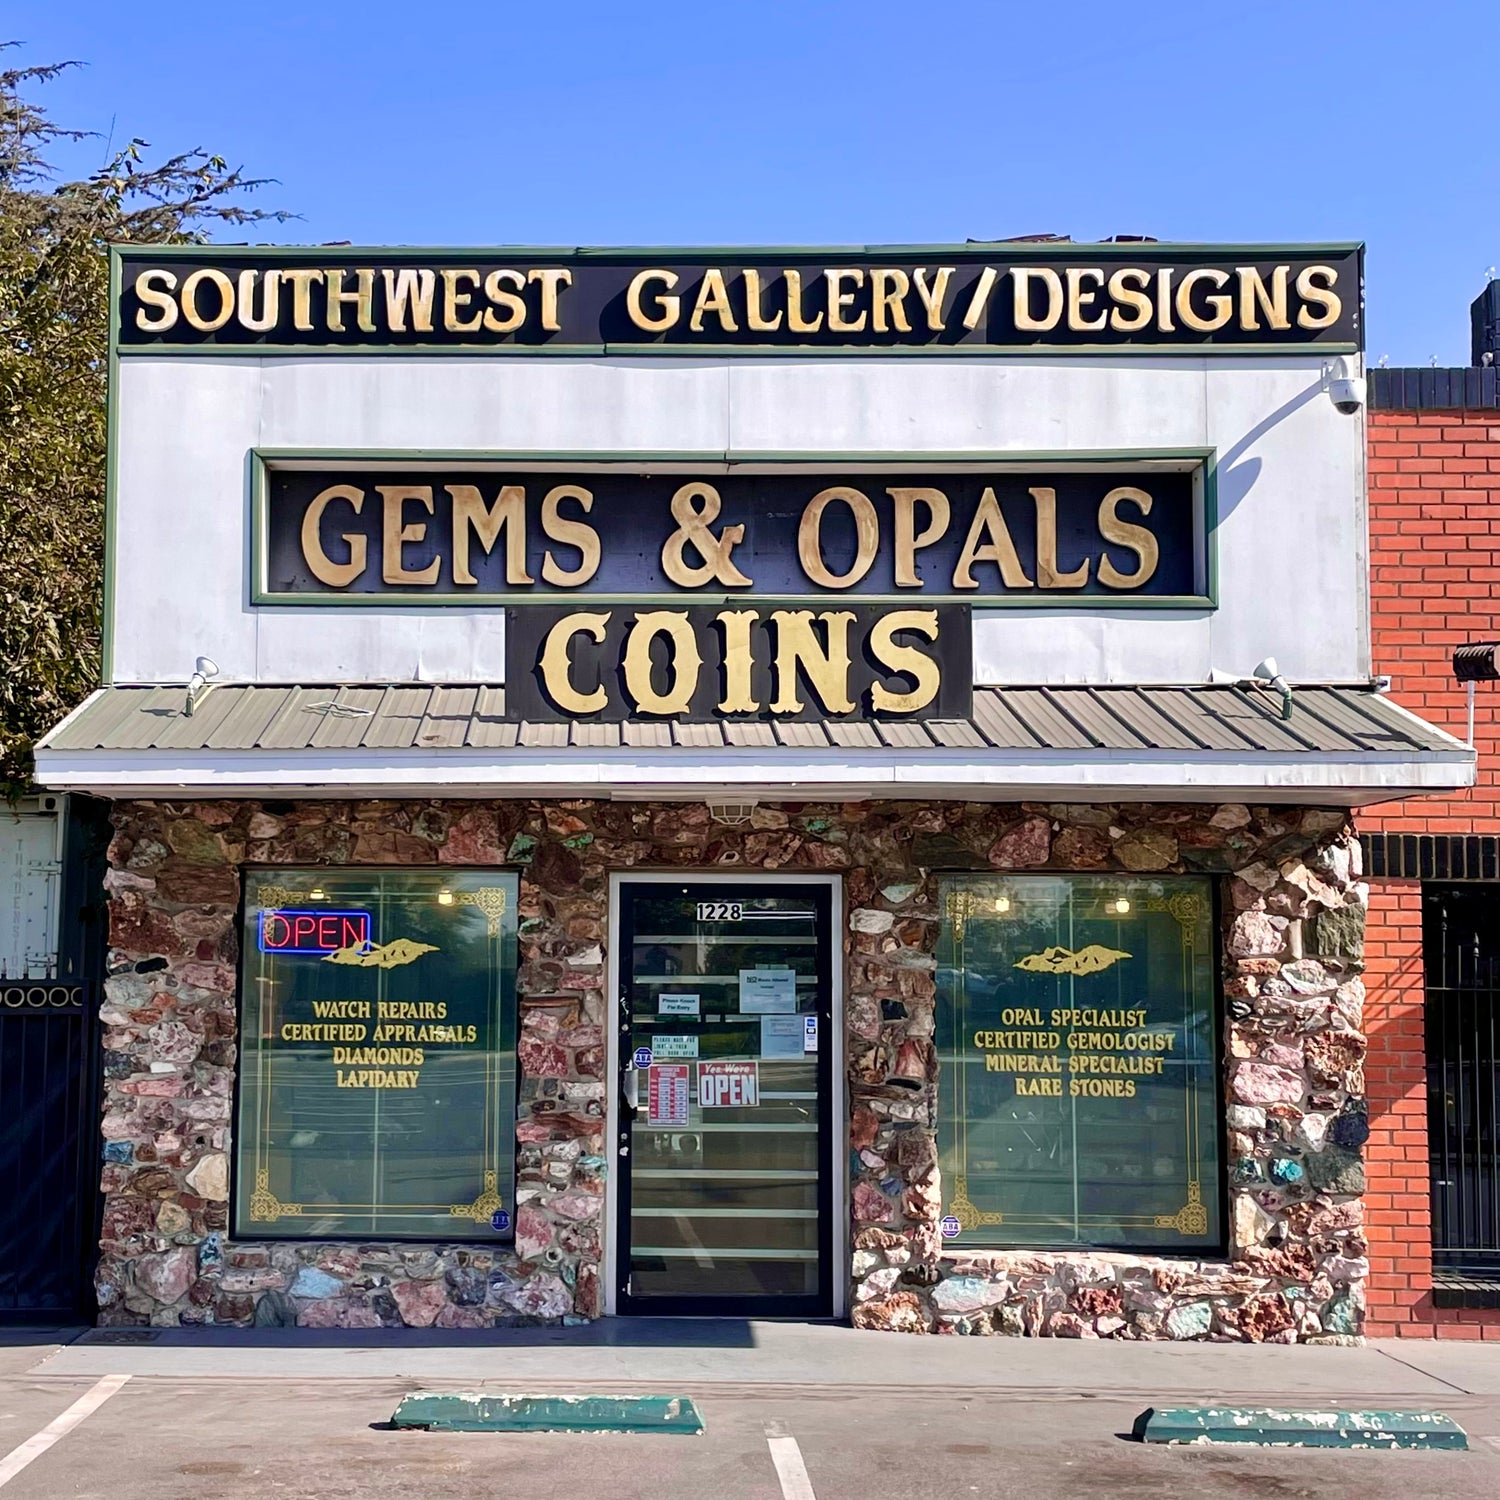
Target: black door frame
(833, 1237)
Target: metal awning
(1342, 745)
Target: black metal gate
(49, 1153)
(1461, 941)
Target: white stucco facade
(1288, 469)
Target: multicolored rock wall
(1293, 917)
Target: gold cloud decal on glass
(380, 955)
(1060, 960)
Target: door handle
(632, 1088)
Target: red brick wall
(1434, 494)
(1434, 583)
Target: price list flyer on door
(667, 1094)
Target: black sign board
(959, 299)
(1099, 537)
(740, 661)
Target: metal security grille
(48, 1147)
(1461, 941)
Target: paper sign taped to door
(728, 1085)
(677, 1005)
(667, 1094)
(674, 1046)
(768, 991)
(780, 1036)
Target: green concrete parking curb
(444, 1411)
(1280, 1428)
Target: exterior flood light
(204, 668)
(1473, 662)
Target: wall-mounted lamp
(1120, 905)
(1002, 905)
(445, 897)
(204, 668)
(316, 894)
(1266, 675)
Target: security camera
(1345, 389)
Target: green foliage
(54, 343)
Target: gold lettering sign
(964, 299)
(990, 537)
(701, 663)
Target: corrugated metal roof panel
(446, 722)
(1036, 709)
(596, 736)
(802, 736)
(641, 734)
(1089, 713)
(292, 725)
(1145, 720)
(1207, 728)
(994, 719)
(749, 735)
(544, 736)
(489, 729)
(394, 725)
(343, 718)
(1218, 719)
(182, 731)
(1369, 719)
(957, 734)
(152, 713)
(254, 708)
(903, 735)
(1254, 714)
(852, 734)
(1319, 726)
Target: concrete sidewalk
(691, 1354)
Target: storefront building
(776, 783)
(1434, 865)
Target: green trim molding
(1199, 461)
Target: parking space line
(787, 1457)
(60, 1426)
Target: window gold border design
(964, 904)
(265, 1206)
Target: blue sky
(596, 123)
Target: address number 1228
(720, 911)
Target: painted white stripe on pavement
(59, 1427)
(787, 1456)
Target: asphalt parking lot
(324, 1435)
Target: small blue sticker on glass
(500, 1221)
(951, 1228)
(643, 1057)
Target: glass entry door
(725, 1183)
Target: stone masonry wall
(1293, 912)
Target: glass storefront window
(1079, 1100)
(377, 1045)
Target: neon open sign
(313, 932)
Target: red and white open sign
(728, 1085)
